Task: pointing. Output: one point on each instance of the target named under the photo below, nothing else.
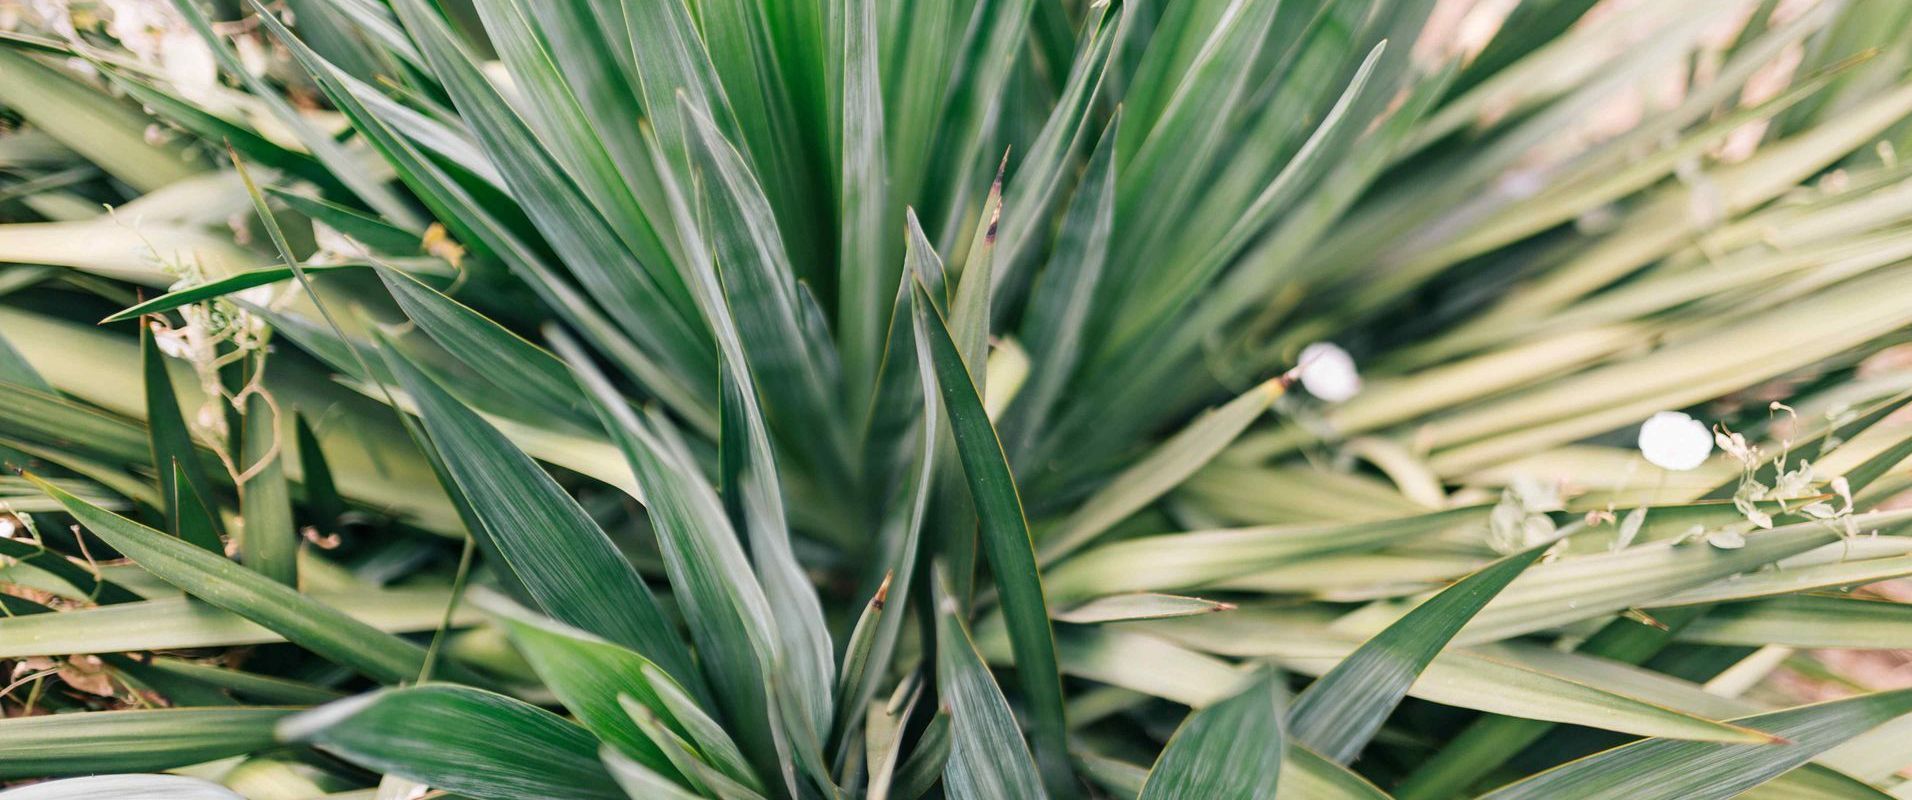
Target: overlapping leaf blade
(1657, 768)
(553, 549)
(1005, 533)
(476, 743)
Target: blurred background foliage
(675, 332)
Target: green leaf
(974, 107)
(1488, 742)
(1585, 587)
(854, 676)
(1187, 560)
(377, 234)
(728, 614)
(315, 475)
(906, 520)
(1164, 468)
(1806, 621)
(468, 741)
(338, 162)
(588, 675)
(258, 688)
(1064, 294)
(470, 214)
(183, 483)
(883, 730)
(538, 532)
(710, 739)
(779, 376)
(517, 368)
(130, 741)
(220, 287)
(866, 238)
(686, 758)
(1005, 535)
(180, 623)
(87, 583)
(1876, 467)
(150, 787)
(1138, 605)
(105, 131)
(1039, 179)
(640, 782)
(987, 755)
(268, 542)
(786, 349)
(1660, 769)
(1233, 748)
(1338, 713)
(1815, 782)
(14, 368)
(212, 578)
(1308, 776)
(210, 127)
(643, 295)
(1457, 677)
(571, 63)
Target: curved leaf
(1005, 534)
(146, 787)
(561, 557)
(1660, 769)
(216, 580)
(468, 741)
(1233, 748)
(988, 759)
(1338, 713)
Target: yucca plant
(854, 399)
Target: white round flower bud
(1675, 441)
(1328, 372)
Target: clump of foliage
(848, 399)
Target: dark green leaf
(588, 675)
(183, 484)
(1005, 535)
(130, 741)
(1233, 748)
(543, 537)
(370, 231)
(1338, 713)
(237, 282)
(471, 742)
(315, 475)
(216, 580)
(988, 759)
(513, 366)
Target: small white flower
(1735, 445)
(1675, 441)
(1328, 372)
(172, 343)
